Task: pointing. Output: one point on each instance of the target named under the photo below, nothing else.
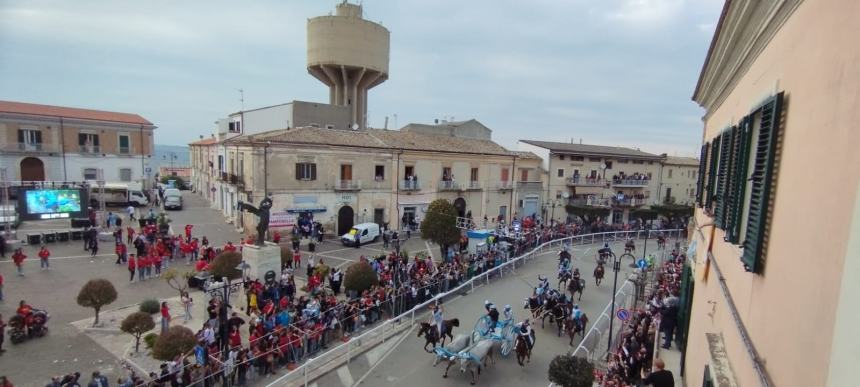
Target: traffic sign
(641, 263)
(623, 314)
(148, 169)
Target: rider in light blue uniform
(576, 312)
(509, 314)
(437, 320)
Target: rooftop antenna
(242, 97)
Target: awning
(298, 210)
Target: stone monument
(263, 256)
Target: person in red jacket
(156, 262)
(229, 247)
(131, 267)
(201, 265)
(130, 231)
(188, 228)
(18, 257)
(44, 254)
(121, 252)
(276, 237)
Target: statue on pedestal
(262, 213)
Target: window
(473, 175)
(608, 165)
(524, 175)
(125, 174)
(561, 157)
(623, 161)
(379, 173)
(638, 161)
(649, 175)
(558, 194)
(597, 159)
(505, 174)
(124, 144)
(90, 174)
(561, 172)
(306, 171)
(29, 139)
(241, 170)
(446, 174)
(235, 127)
(669, 174)
(577, 158)
(220, 163)
(89, 143)
(346, 172)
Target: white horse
(459, 343)
(475, 358)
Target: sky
(609, 72)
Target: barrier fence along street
(312, 366)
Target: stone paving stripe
(345, 376)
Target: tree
(177, 341)
(95, 294)
(359, 277)
(136, 324)
(224, 265)
(177, 280)
(571, 371)
(440, 224)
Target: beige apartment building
(345, 177)
(55, 143)
(618, 178)
(678, 177)
(776, 239)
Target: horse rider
(576, 313)
(564, 265)
(576, 274)
(437, 320)
(542, 287)
(493, 314)
(524, 329)
(509, 314)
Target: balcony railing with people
(629, 202)
(347, 185)
(631, 182)
(449, 185)
(410, 185)
(590, 201)
(581, 181)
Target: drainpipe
(513, 190)
(397, 187)
(63, 146)
(142, 167)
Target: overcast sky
(612, 72)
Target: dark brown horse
(598, 274)
(521, 347)
(430, 333)
(574, 326)
(576, 287)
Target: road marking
(388, 352)
(71, 257)
(345, 376)
(429, 251)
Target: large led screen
(53, 201)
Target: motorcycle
(35, 324)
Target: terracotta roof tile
(205, 141)
(68, 112)
(597, 150)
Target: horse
(563, 277)
(630, 247)
(661, 242)
(576, 287)
(521, 347)
(598, 274)
(430, 333)
(576, 325)
(533, 304)
(459, 343)
(475, 357)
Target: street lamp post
(616, 267)
(224, 292)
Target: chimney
(201, 136)
(436, 121)
(580, 141)
(386, 123)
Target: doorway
(460, 205)
(32, 169)
(379, 216)
(345, 219)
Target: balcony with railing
(590, 201)
(629, 202)
(579, 181)
(410, 185)
(505, 185)
(347, 185)
(473, 186)
(449, 185)
(29, 147)
(630, 182)
(124, 150)
(90, 149)
(529, 185)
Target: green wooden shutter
(762, 178)
(299, 171)
(731, 184)
(700, 183)
(712, 173)
(722, 178)
(739, 180)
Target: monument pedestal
(262, 259)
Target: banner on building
(281, 219)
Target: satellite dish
(354, 126)
(603, 166)
(565, 195)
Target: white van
(120, 194)
(361, 233)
